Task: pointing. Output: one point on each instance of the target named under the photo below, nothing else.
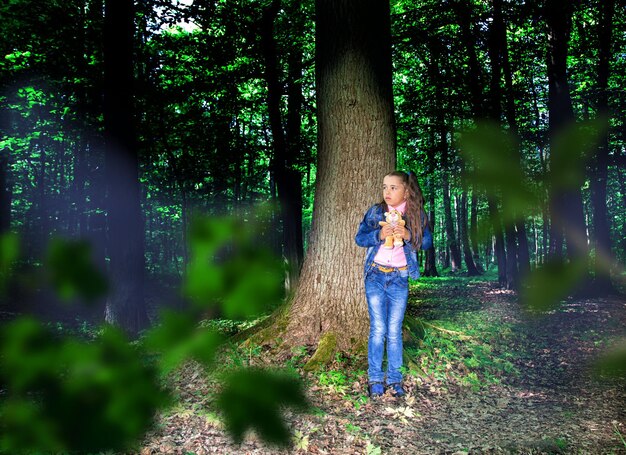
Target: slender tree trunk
(499, 251)
(500, 46)
(512, 273)
(5, 192)
(473, 233)
(294, 137)
(603, 256)
(566, 204)
(42, 203)
(5, 186)
(430, 266)
(355, 126)
(466, 23)
(287, 178)
(126, 305)
(467, 252)
(622, 186)
(495, 113)
(455, 253)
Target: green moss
(324, 353)
(269, 329)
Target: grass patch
(467, 350)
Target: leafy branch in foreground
(65, 394)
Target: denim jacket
(368, 236)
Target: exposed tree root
(324, 353)
(271, 329)
(416, 328)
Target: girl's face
(394, 190)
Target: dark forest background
(195, 108)
(122, 123)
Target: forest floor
(494, 380)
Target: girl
(387, 272)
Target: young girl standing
(387, 271)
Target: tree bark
(512, 272)
(566, 205)
(467, 252)
(5, 192)
(455, 253)
(603, 256)
(288, 178)
(430, 264)
(356, 147)
(500, 47)
(500, 253)
(5, 186)
(473, 232)
(125, 306)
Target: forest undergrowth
(487, 377)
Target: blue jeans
(387, 295)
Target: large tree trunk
(126, 305)
(603, 256)
(356, 147)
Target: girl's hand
(401, 231)
(386, 231)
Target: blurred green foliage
(613, 362)
(179, 338)
(65, 394)
(9, 252)
(230, 268)
(494, 166)
(72, 272)
(62, 394)
(252, 399)
(550, 284)
(570, 151)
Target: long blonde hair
(415, 215)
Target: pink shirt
(394, 257)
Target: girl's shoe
(376, 389)
(397, 390)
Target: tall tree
(472, 270)
(568, 221)
(499, 50)
(603, 256)
(356, 147)
(125, 306)
(286, 148)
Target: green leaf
(67, 395)
(231, 270)
(493, 165)
(9, 252)
(545, 287)
(253, 398)
(613, 362)
(72, 271)
(178, 338)
(571, 147)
